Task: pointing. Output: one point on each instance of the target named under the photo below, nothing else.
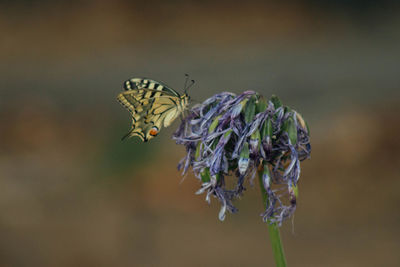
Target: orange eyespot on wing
(153, 131)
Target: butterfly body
(152, 104)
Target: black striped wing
(152, 105)
(143, 83)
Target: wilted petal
(233, 135)
(222, 211)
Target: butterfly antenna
(190, 85)
(186, 80)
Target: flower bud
(276, 101)
(254, 142)
(290, 128)
(249, 111)
(238, 108)
(243, 163)
(198, 150)
(205, 175)
(266, 177)
(266, 136)
(214, 124)
(302, 123)
(261, 104)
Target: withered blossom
(234, 137)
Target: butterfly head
(185, 96)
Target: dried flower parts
(235, 137)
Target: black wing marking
(144, 83)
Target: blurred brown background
(73, 194)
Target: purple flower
(232, 137)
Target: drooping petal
(233, 135)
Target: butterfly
(153, 105)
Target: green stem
(273, 229)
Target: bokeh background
(73, 194)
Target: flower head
(233, 137)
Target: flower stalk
(273, 229)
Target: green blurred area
(73, 194)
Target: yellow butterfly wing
(152, 105)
